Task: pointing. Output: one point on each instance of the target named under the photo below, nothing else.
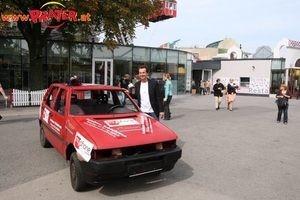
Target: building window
(245, 81)
(233, 55)
(297, 64)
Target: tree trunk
(36, 81)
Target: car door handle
(50, 114)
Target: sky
(250, 23)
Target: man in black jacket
(218, 93)
(148, 95)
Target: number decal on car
(46, 115)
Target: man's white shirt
(145, 100)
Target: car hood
(130, 130)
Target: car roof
(88, 86)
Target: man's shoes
(285, 123)
(166, 118)
(0, 117)
(217, 108)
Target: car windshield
(98, 102)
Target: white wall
(258, 71)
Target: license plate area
(139, 169)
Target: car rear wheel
(77, 179)
(44, 142)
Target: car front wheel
(43, 140)
(77, 179)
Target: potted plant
(193, 88)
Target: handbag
(281, 102)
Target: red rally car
(103, 140)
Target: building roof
(214, 44)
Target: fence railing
(25, 98)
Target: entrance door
(207, 74)
(102, 71)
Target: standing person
(148, 96)
(167, 95)
(207, 86)
(136, 78)
(297, 92)
(4, 96)
(231, 94)
(123, 83)
(218, 93)
(202, 86)
(283, 93)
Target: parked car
(103, 140)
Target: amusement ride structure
(168, 10)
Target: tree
(96, 16)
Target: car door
(53, 120)
(57, 121)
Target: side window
(52, 97)
(245, 81)
(61, 102)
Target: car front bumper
(99, 171)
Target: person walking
(124, 83)
(167, 96)
(207, 86)
(3, 94)
(218, 93)
(148, 95)
(202, 86)
(231, 94)
(286, 95)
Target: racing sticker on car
(46, 115)
(83, 146)
(55, 126)
(105, 129)
(146, 125)
(121, 122)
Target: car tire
(43, 140)
(76, 175)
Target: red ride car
(102, 139)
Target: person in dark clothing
(123, 83)
(148, 95)
(218, 93)
(74, 80)
(283, 93)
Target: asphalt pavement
(243, 154)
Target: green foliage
(107, 16)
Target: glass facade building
(92, 62)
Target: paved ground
(242, 154)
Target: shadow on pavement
(24, 120)
(177, 116)
(181, 172)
